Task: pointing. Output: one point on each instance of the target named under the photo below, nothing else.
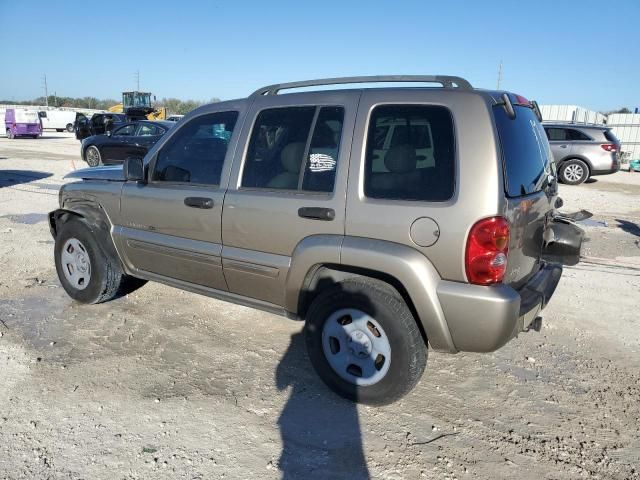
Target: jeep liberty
(390, 219)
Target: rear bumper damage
(483, 319)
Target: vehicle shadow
(320, 432)
(591, 180)
(629, 227)
(9, 178)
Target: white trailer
(571, 114)
(58, 119)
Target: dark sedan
(132, 139)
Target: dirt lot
(164, 384)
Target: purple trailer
(20, 122)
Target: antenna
(137, 80)
(499, 75)
(46, 92)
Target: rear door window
(410, 153)
(294, 148)
(147, 130)
(526, 154)
(577, 135)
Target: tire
(92, 156)
(69, 127)
(335, 352)
(86, 271)
(10, 134)
(574, 172)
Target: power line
(499, 75)
(46, 92)
(137, 76)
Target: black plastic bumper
(539, 289)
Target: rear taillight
(609, 147)
(487, 248)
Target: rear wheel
(10, 134)
(364, 342)
(69, 127)
(574, 172)
(92, 156)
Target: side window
(125, 131)
(195, 154)
(320, 171)
(576, 135)
(147, 130)
(415, 161)
(285, 154)
(556, 134)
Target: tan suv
(389, 219)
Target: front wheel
(70, 127)
(92, 156)
(574, 172)
(86, 271)
(364, 343)
(10, 134)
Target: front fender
(93, 216)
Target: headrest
(401, 159)
(291, 157)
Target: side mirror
(133, 170)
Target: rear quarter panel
(478, 185)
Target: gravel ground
(165, 384)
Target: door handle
(317, 213)
(563, 146)
(199, 202)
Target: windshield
(27, 116)
(526, 153)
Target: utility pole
(137, 80)
(46, 92)
(499, 75)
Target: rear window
(27, 116)
(410, 153)
(609, 135)
(526, 153)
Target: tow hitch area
(536, 325)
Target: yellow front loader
(137, 106)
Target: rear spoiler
(508, 105)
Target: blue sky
(570, 52)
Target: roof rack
(446, 81)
